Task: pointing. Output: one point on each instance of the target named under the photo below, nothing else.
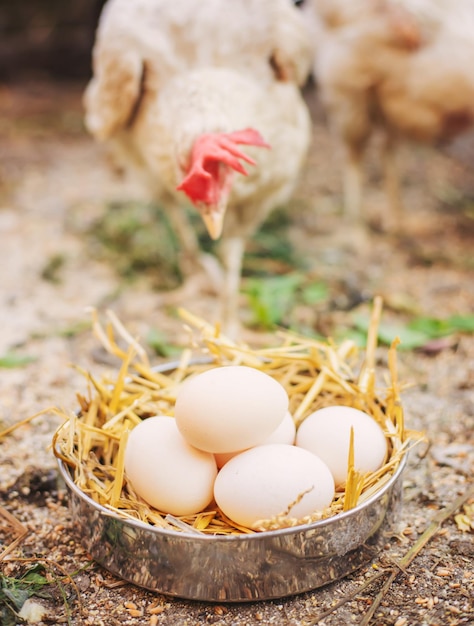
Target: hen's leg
(193, 258)
(353, 183)
(354, 232)
(232, 250)
(187, 237)
(392, 219)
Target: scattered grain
(130, 605)
(443, 572)
(155, 610)
(220, 610)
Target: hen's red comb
(204, 182)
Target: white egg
(326, 433)
(166, 471)
(284, 433)
(264, 481)
(223, 457)
(230, 408)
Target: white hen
(180, 86)
(404, 67)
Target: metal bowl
(235, 568)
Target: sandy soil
(54, 182)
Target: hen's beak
(214, 222)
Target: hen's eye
(298, 3)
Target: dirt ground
(54, 183)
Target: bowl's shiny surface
(235, 568)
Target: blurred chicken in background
(403, 67)
(202, 99)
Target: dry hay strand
(314, 373)
(17, 527)
(23, 422)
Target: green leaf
(159, 344)
(431, 326)
(314, 292)
(387, 332)
(357, 336)
(12, 359)
(272, 298)
(436, 327)
(462, 323)
(17, 597)
(126, 236)
(15, 591)
(409, 338)
(419, 331)
(34, 576)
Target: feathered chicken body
(403, 66)
(222, 102)
(202, 98)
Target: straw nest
(314, 373)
